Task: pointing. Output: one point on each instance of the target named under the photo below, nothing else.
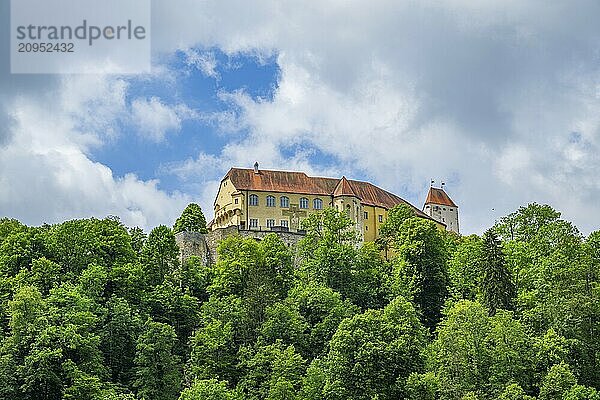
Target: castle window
(318, 204)
(381, 218)
(366, 228)
(270, 223)
(253, 222)
(253, 200)
(270, 201)
(284, 223)
(366, 215)
(303, 202)
(284, 202)
(236, 201)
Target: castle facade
(268, 200)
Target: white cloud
(484, 97)
(499, 99)
(206, 62)
(154, 119)
(47, 175)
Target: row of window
(437, 208)
(270, 223)
(380, 216)
(284, 202)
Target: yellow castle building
(254, 199)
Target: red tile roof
(439, 196)
(280, 181)
(344, 188)
(300, 183)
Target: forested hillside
(91, 309)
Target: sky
(500, 100)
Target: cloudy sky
(501, 100)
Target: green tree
(191, 220)
(579, 392)
(283, 322)
(497, 284)
(160, 255)
(525, 223)
(328, 250)
(477, 353)
(259, 273)
(323, 310)
(465, 269)
(76, 244)
(314, 380)
(93, 281)
(19, 249)
(421, 269)
(158, 374)
(390, 230)
(550, 349)
(120, 331)
(172, 305)
(45, 274)
(81, 385)
(128, 281)
(460, 355)
(195, 277)
(422, 386)
(214, 345)
(270, 372)
(511, 351)
(370, 279)
(9, 226)
(514, 392)
(55, 344)
(372, 354)
(26, 316)
(557, 383)
(208, 389)
(138, 239)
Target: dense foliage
(191, 220)
(93, 310)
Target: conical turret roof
(344, 188)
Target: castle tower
(440, 207)
(346, 199)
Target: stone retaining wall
(204, 245)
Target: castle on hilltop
(255, 202)
(255, 199)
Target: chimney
(256, 167)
